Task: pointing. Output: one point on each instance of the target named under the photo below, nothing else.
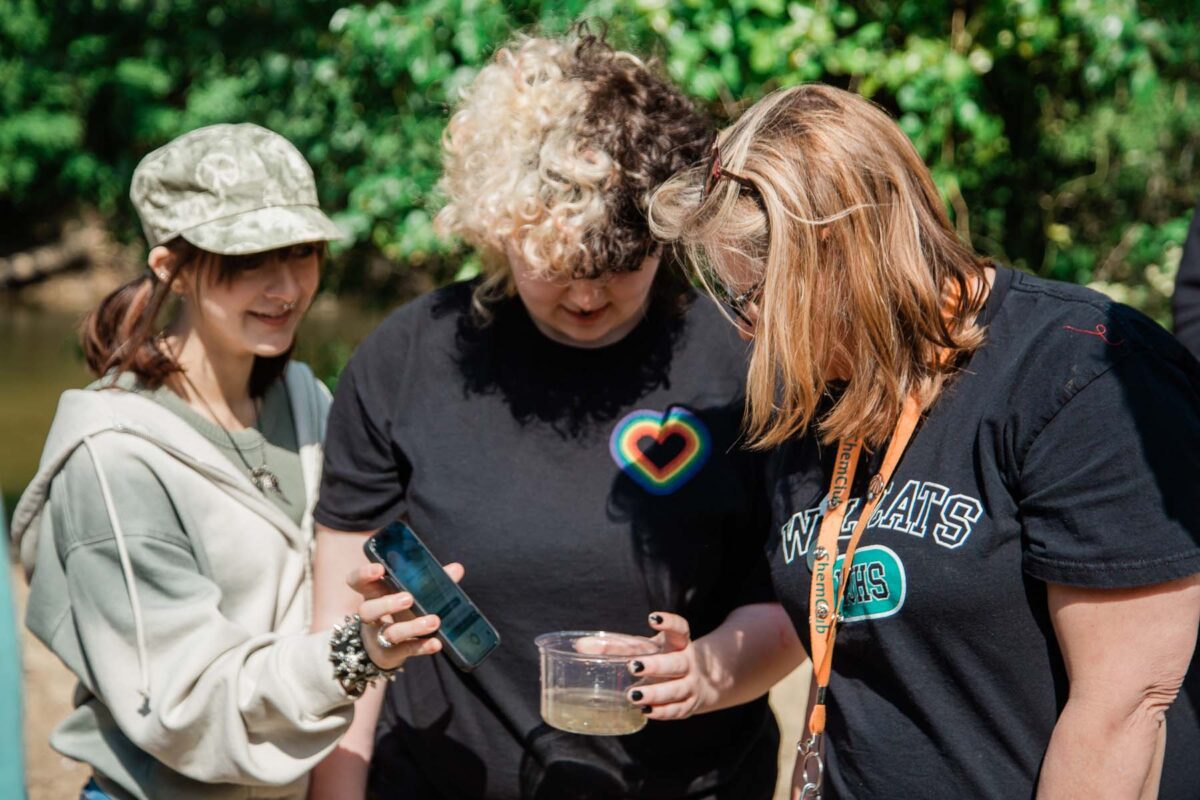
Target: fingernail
(636, 666)
(657, 619)
(635, 695)
(646, 709)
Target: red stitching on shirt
(1100, 331)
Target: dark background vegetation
(1063, 135)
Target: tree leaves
(1053, 130)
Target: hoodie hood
(83, 414)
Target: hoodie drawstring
(127, 572)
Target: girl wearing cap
(566, 426)
(983, 488)
(169, 529)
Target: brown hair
(860, 268)
(557, 144)
(120, 335)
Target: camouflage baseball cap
(229, 189)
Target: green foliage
(1063, 135)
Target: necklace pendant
(264, 479)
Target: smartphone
(467, 637)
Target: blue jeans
(93, 792)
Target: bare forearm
(343, 773)
(336, 555)
(750, 652)
(1097, 752)
(1126, 653)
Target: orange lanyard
(825, 603)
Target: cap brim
(263, 229)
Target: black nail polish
(647, 709)
(636, 666)
(657, 619)
(635, 695)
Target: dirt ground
(48, 687)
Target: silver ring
(289, 306)
(383, 641)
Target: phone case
(451, 652)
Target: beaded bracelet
(352, 667)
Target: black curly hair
(649, 128)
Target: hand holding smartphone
(467, 637)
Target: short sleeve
(1108, 491)
(364, 480)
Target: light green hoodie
(185, 612)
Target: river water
(40, 358)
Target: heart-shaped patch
(660, 452)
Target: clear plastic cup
(585, 675)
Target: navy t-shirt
(581, 489)
(1067, 451)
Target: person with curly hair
(567, 427)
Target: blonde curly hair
(554, 150)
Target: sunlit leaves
(1068, 132)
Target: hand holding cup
(675, 681)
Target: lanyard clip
(812, 767)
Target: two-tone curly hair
(554, 149)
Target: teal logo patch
(877, 584)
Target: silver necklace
(261, 476)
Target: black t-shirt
(536, 465)
(1067, 451)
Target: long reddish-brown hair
(863, 278)
(121, 334)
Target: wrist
(711, 681)
(353, 667)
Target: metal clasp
(874, 487)
(812, 767)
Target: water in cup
(585, 677)
(600, 712)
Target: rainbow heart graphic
(660, 452)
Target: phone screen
(468, 636)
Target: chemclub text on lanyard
(826, 595)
